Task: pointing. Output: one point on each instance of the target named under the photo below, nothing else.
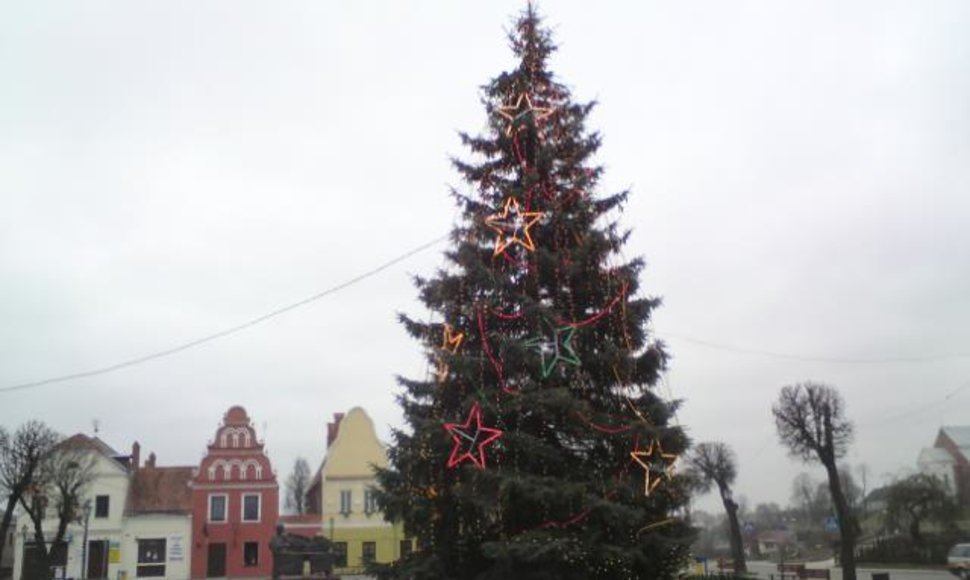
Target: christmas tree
(537, 446)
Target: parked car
(958, 561)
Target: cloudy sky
(170, 170)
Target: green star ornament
(555, 347)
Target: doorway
(216, 564)
(97, 560)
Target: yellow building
(342, 492)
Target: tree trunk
(847, 524)
(7, 517)
(737, 547)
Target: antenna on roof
(97, 426)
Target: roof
(82, 441)
(160, 490)
(960, 435)
(934, 455)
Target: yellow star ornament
(512, 226)
(653, 460)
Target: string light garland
(470, 441)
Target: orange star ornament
(654, 460)
(516, 113)
(512, 226)
(450, 343)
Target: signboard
(176, 549)
(831, 524)
(114, 552)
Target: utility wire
(228, 331)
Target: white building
(139, 521)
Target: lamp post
(86, 514)
(23, 553)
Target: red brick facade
(961, 467)
(235, 504)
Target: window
(251, 553)
(369, 552)
(406, 548)
(101, 506)
(151, 558)
(345, 502)
(250, 508)
(217, 508)
(340, 554)
(370, 501)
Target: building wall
(109, 478)
(349, 467)
(235, 466)
(175, 529)
(961, 467)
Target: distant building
(949, 461)
(158, 522)
(342, 493)
(235, 504)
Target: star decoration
(450, 343)
(470, 439)
(512, 226)
(517, 113)
(555, 348)
(653, 460)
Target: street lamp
(86, 513)
(23, 553)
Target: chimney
(333, 428)
(150, 462)
(135, 456)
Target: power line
(228, 331)
(406, 255)
(808, 358)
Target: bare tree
(21, 456)
(714, 464)
(915, 500)
(811, 422)
(296, 486)
(59, 483)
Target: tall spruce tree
(537, 447)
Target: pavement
(767, 570)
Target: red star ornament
(512, 226)
(471, 439)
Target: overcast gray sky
(800, 175)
